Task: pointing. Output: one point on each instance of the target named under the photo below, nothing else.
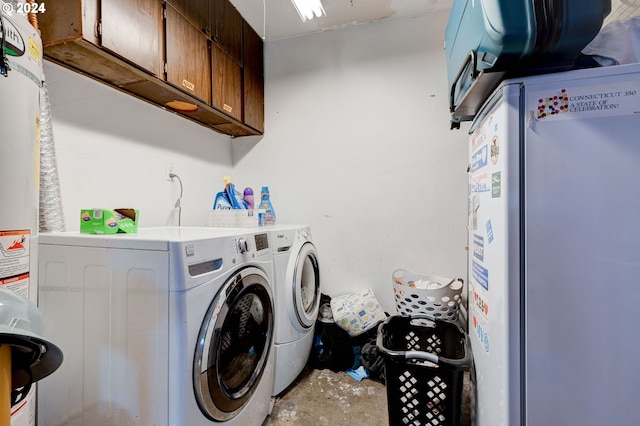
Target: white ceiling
(278, 19)
(282, 20)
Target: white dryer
(297, 295)
(169, 326)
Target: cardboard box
(99, 221)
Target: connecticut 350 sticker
(621, 98)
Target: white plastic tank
(21, 77)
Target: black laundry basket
(425, 360)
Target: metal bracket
(4, 63)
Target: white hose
(51, 213)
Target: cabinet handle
(98, 29)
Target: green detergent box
(100, 221)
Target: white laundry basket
(436, 296)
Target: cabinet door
(188, 66)
(132, 29)
(227, 83)
(226, 24)
(196, 12)
(70, 20)
(253, 79)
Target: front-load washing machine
(169, 326)
(297, 295)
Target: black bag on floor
(371, 358)
(331, 344)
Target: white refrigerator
(554, 262)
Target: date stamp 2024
(23, 7)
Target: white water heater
(21, 78)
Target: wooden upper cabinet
(253, 76)
(198, 58)
(227, 83)
(71, 37)
(196, 12)
(188, 65)
(226, 27)
(80, 20)
(132, 29)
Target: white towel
(617, 43)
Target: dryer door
(233, 345)
(306, 285)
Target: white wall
(357, 144)
(113, 151)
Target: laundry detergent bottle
(265, 204)
(248, 197)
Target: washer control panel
(243, 246)
(262, 241)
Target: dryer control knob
(243, 247)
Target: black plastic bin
(424, 360)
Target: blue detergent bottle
(235, 199)
(265, 204)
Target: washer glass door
(306, 285)
(233, 344)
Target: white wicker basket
(439, 297)
(233, 218)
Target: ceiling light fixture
(307, 9)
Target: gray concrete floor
(323, 397)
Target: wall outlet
(170, 169)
